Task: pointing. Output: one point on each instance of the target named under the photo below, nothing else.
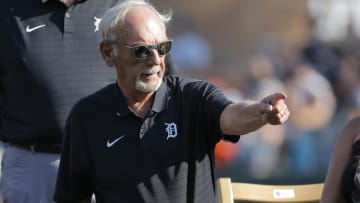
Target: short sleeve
(210, 103)
(216, 103)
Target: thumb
(264, 107)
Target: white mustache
(153, 70)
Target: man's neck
(139, 103)
(141, 107)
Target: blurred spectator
(264, 161)
(191, 51)
(323, 58)
(311, 97)
(313, 103)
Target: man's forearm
(241, 118)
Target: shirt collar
(161, 100)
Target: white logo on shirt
(171, 130)
(110, 144)
(30, 29)
(96, 23)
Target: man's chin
(148, 88)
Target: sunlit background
(250, 48)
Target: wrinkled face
(141, 27)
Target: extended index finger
(275, 98)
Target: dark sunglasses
(144, 51)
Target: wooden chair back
(229, 192)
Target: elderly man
(150, 137)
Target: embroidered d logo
(171, 130)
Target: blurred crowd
(322, 81)
(323, 87)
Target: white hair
(117, 15)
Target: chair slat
(231, 191)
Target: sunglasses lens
(144, 51)
(141, 52)
(164, 48)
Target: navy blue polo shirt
(49, 59)
(166, 157)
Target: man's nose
(154, 57)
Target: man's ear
(107, 52)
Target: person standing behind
(48, 60)
(150, 137)
(342, 182)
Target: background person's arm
(341, 155)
